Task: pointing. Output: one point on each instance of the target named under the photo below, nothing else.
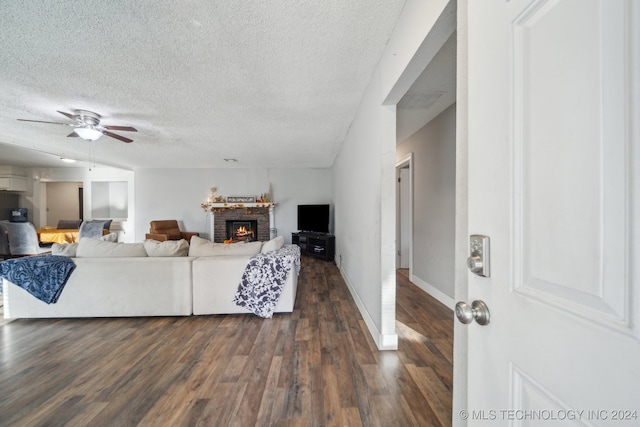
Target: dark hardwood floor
(316, 366)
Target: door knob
(478, 310)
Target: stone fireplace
(263, 213)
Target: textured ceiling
(271, 83)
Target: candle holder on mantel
(212, 195)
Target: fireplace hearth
(239, 230)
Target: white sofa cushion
(95, 248)
(273, 244)
(166, 248)
(64, 249)
(203, 247)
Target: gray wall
(434, 183)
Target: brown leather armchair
(168, 230)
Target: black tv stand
(319, 245)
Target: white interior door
(554, 168)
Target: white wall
(178, 194)
(434, 186)
(364, 169)
(109, 200)
(35, 198)
(365, 259)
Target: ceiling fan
(86, 125)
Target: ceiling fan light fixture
(87, 126)
(88, 133)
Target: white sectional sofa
(112, 287)
(128, 286)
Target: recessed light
(66, 159)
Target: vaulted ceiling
(270, 83)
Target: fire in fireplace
(242, 230)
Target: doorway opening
(404, 212)
(64, 201)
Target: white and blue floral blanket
(263, 280)
(43, 276)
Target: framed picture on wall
(241, 199)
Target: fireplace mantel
(212, 208)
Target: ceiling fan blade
(70, 116)
(116, 136)
(73, 134)
(42, 121)
(124, 128)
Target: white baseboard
(434, 292)
(383, 342)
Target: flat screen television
(313, 218)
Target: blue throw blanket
(263, 280)
(43, 276)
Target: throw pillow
(203, 247)
(167, 248)
(64, 249)
(111, 237)
(95, 248)
(273, 244)
(92, 229)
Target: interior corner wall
(434, 189)
(178, 193)
(359, 222)
(364, 173)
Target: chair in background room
(106, 223)
(69, 224)
(168, 230)
(91, 229)
(4, 243)
(23, 239)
